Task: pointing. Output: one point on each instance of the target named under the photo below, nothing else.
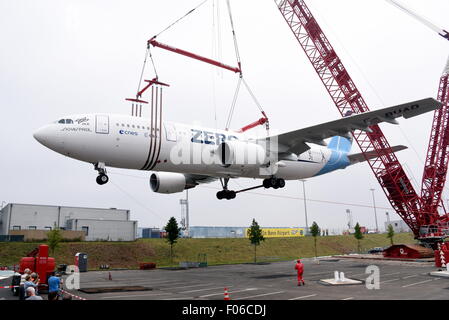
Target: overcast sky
(70, 57)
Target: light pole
(305, 204)
(348, 212)
(388, 219)
(185, 214)
(375, 212)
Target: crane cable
(148, 52)
(241, 79)
(184, 16)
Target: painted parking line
(303, 297)
(230, 292)
(390, 274)
(205, 289)
(137, 295)
(260, 295)
(386, 281)
(130, 281)
(412, 276)
(183, 298)
(350, 298)
(416, 283)
(195, 285)
(143, 283)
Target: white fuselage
(134, 143)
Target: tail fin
(342, 144)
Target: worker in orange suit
(299, 267)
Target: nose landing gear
(102, 179)
(102, 176)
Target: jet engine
(240, 153)
(167, 182)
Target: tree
(172, 230)
(54, 238)
(315, 231)
(255, 236)
(390, 233)
(358, 235)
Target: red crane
(347, 98)
(436, 166)
(437, 160)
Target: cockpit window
(65, 121)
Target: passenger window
(68, 121)
(127, 125)
(123, 124)
(61, 121)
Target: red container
(26, 262)
(147, 265)
(42, 264)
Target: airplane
(183, 156)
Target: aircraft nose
(48, 137)
(40, 135)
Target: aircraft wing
(296, 141)
(197, 179)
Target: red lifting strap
(259, 122)
(139, 94)
(136, 100)
(154, 43)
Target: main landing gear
(225, 193)
(102, 178)
(272, 182)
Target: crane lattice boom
(348, 100)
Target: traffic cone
(226, 294)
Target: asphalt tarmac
(271, 281)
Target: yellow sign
(280, 232)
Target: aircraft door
(102, 124)
(170, 132)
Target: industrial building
(96, 224)
(399, 226)
(241, 232)
(151, 233)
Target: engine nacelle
(167, 182)
(241, 153)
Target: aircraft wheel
(281, 183)
(102, 179)
(231, 195)
(220, 195)
(266, 183)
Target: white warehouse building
(97, 224)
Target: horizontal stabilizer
(360, 157)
